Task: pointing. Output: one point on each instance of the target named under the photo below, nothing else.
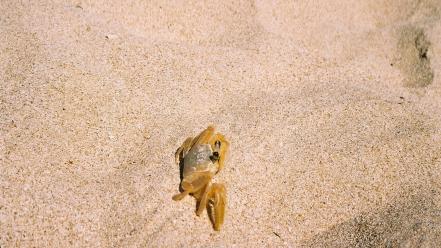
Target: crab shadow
(181, 173)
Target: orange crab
(200, 159)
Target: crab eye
(215, 156)
(217, 144)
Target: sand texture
(332, 108)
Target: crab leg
(204, 137)
(183, 149)
(203, 200)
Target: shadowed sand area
(332, 108)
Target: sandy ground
(333, 110)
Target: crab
(200, 159)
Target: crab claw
(218, 198)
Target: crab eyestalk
(215, 157)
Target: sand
(332, 108)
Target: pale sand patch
(332, 109)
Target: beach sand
(332, 109)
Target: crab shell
(198, 159)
